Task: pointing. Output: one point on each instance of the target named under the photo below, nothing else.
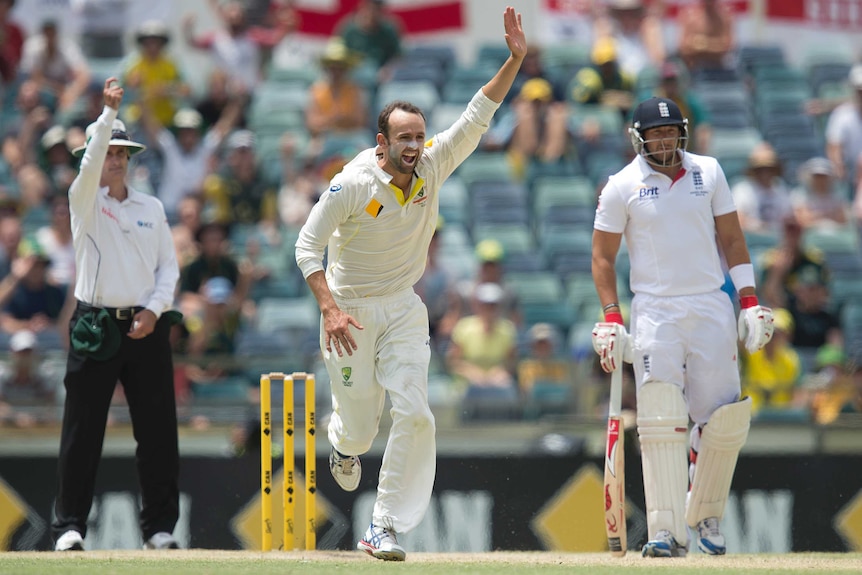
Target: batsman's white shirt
(124, 251)
(377, 248)
(683, 324)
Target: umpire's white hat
(119, 137)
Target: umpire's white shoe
(709, 538)
(345, 469)
(664, 545)
(162, 540)
(381, 543)
(71, 540)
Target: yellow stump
(265, 463)
(289, 495)
(310, 464)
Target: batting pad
(663, 432)
(722, 438)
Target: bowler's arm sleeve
(82, 192)
(167, 272)
(448, 149)
(333, 208)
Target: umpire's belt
(118, 313)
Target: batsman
(680, 225)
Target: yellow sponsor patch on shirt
(374, 208)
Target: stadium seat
(422, 93)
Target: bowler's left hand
(143, 325)
(515, 38)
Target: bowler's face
(405, 142)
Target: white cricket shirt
(124, 252)
(669, 227)
(378, 241)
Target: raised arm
(497, 88)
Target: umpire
(126, 276)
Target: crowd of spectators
(239, 164)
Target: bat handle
(616, 398)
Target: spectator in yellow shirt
(770, 374)
(154, 75)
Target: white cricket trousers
(689, 341)
(392, 355)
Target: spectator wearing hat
(535, 129)
(836, 387)
(546, 378)
(374, 34)
(483, 351)
(782, 264)
(337, 105)
(762, 199)
(770, 376)
(56, 159)
(706, 35)
(491, 257)
(239, 192)
(187, 150)
(603, 82)
(637, 32)
(34, 304)
(126, 276)
(815, 324)
(844, 132)
(674, 85)
(154, 75)
(57, 65)
(213, 335)
(214, 260)
(28, 385)
(817, 201)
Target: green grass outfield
(207, 562)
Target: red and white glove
(755, 325)
(612, 343)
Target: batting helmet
(653, 113)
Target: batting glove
(613, 344)
(755, 325)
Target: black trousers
(144, 368)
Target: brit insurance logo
(346, 372)
(646, 193)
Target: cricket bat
(615, 471)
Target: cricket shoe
(345, 469)
(161, 540)
(71, 540)
(709, 538)
(381, 543)
(664, 545)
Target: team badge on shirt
(346, 372)
(374, 208)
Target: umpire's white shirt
(124, 253)
(669, 227)
(378, 241)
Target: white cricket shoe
(162, 540)
(664, 545)
(345, 469)
(709, 538)
(381, 543)
(71, 540)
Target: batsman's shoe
(162, 540)
(664, 545)
(345, 469)
(381, 543)
(709, 538)
(71, 540)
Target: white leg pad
(720, 441)
(663, 432)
